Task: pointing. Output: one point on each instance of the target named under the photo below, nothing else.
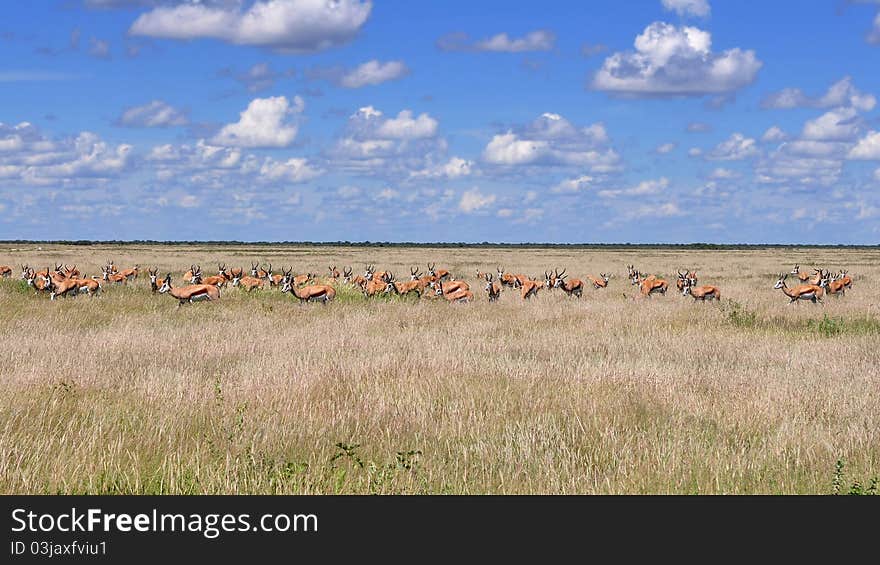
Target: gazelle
(652, 285)
(259, 273)
(214, 280)
(323, 293)
(818, 275)
(529, 288)
(131, 274)
(190, 275)
(506, 279)
(451, 286)
(574, 287)
(482, 275)
(809, 292)
(843, 277)
(797, 272)
(5, 271)
(460, 295)
(155, 282)
(440, 274)
(833, 285)
(413, 286)
(75, 286)
(705, 292)
(37, 281)
(247, 282)
(601, 282)
(493, 289)
(112, 267)
(334, 272)
(377, 285)
(191, 293)
(114, 278)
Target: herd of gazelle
(310, 287)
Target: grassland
(126, 393)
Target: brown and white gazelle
(5, 271)
(574, 287)
(601, 282)
(190, 293)
(809, 292)
(703, 293)
(460, 295)
(323, 293)
(493, 288)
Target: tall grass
(126, 393)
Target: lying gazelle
(5, 271)
(190, 293)
(439, 274)
(413, 286)
(797, 272)
(809, 292)
(323, 293)
(703, 293)
(449, 287)
(114, 278)
(377, 284)
(73, 285)
(191, 274)
(460, 295)
(155, 282)
(246, 282)
(37, 281)
(259, 273)
(493, 288)
(131, 274)
(506, 279)
(601, 282)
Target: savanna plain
(609, 393)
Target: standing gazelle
(809, 292)
(191, 293)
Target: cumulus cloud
(676, 61)
(867, 148)
(455, 168)
(474, 200)
(553, 140)
(837, 124)
(372, 73)
(665, 148)
(289, 26)
(773, 134)
(840, 94)
(28, 157)
(155, 114)
(734, 148)
(576, 184)
(699, 8)
(539, 40)
(723, 174)
(263, 124)
(644, 188)
(404, 126)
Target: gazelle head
(221, 271)
(254, 269)
(197, 275)
(389, 283)
(500, 273)
(25, 271)
(604, 277)
(286, 275)
(438, 288)
(368, 272)
(334, 272)
(236, 276)
(781, 282)
(558, 279)
(166, 284)
(489, 282)
(346, 274)
(154, 274)
(634, 277)
(796, 269)
(30, 276)
(105, 273)
(431, 271)
(414, 274)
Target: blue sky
(651, 121)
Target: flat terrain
(126, 393)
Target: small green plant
(838, 483)
(396, 476)
(827, 327)
(739, 315)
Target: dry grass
(127, 394)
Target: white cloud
(877, 175)
(841, 93)
(153, 114)
(455, 168)
(553, 140)
(263, 124)
(666, 148)
(473, 200)
(874, 35)
(665, 210)
(867, 148)
(698, 127)
(734, 148)
(773, 134)
(372, 73)
(573, 185)
(699, 8)
(644, 188)
(676, 61)
(539, 40)
(404, 126)
(695, 152)
(723, 174)
(291, 26)
(293, 170)
(837, 124)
